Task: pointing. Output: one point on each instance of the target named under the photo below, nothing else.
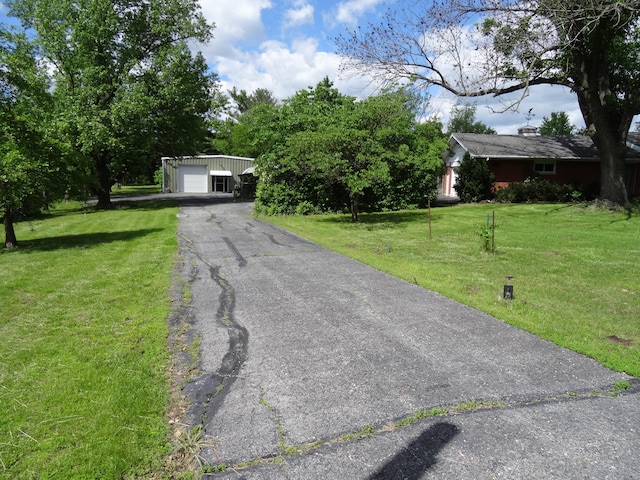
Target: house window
(544, 168)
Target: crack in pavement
(470, 407)
(209, 390)
(242, 262)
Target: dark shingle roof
(519, 146)
(577, 147)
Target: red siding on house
(584, 175)
(507, 171)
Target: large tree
(324, 151)
(499, 47)
(120, 67)
(34, 169)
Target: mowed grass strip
(576, 269)
(83, 355)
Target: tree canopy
(463, 120)
(557, 124)
(232, 135)
(125, 84)
(323, 151)
(473, 48)
(33, 171)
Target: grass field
(84, 303)
(576, 269)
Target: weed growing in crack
(473, 405)
(620, 386)
(283, 447)
(421, 415)
(189, 445)
(364, 432)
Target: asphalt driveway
(304, 349)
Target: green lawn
(83, 356)
(576, 269)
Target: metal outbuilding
(203, 173)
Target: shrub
(306, 208)
(157, 176)
(474, 179)
(536, 189)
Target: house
(203, 173)
(513, 158)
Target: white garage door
(192, 178)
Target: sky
(287, 45)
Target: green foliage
(475, 179)
(487, 232)
(537, 189)
(323, 151)
(557, 125)
(245, 102)
(463, 120)
(235, 135)
(157, 176)
(620, 386)
(126, 86)
(35, 166)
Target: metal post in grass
(429, 203)
(493, 231)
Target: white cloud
(300, 15)
(284, 70)
(349, 12)
(236, 21)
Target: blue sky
(287, 45)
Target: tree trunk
(10, 240)
(103, 191)
(609, 134)
(354, 207)
(607, 120)
(612, 174)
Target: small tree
(557, 125)
(463, 120)
(474, 179)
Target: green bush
(157, 176)
(474, 179)
(536, 189)
(306, 208)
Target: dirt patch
(472, 289)
(623, 341)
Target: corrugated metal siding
(236, 165)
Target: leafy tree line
(323, 151)
(95, 91)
